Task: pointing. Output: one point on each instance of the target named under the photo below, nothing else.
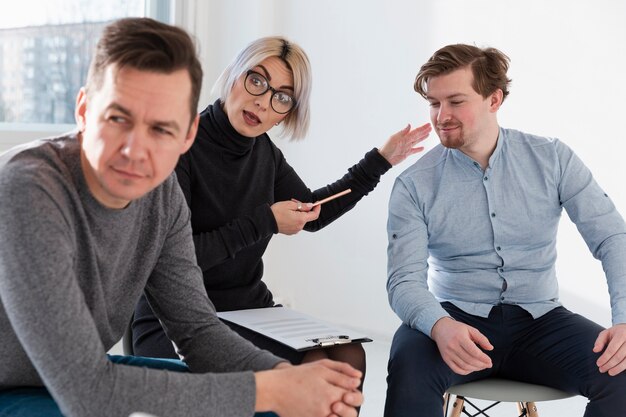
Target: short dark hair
(489, 67)
(147, 45)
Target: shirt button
(500, 269)
(493, 214)
(394, 236)
(502, 298)
(498, 248)
(486, 178)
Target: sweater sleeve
(50, 316)
(177, 295)
(223, 243)
(361, 178)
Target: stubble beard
(454, 140)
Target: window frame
(16, 133)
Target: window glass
(45, 50)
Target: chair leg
(457, 406)
(532, 410)
(527, 409)
(446, 401)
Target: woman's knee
(353, 354)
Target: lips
(446, 128)
(251, 118)
(128, 174)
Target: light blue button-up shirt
(481, 238)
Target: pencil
(332, 197)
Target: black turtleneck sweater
(230, 181)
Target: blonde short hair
(296, 124)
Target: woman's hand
(399, 146)
(291, 216)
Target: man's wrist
(264, 400)
(435, 326)
(282, 365)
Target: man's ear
(191, 134)
(81, 109)
(496, 100)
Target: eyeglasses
(257, 85)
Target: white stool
(500, 390)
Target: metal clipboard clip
(330, 340)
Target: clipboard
(292, 328)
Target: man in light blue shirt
(472, 249)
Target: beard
(453, 139)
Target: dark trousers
(553, 350)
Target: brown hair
(147, 45)
(489, 67)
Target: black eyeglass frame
(269, 88)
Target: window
(45, 51)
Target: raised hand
(402, 144)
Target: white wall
(567, 69)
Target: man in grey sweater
(90, 219)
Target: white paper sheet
(293, 328)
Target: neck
(482, 149)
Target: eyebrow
(451, 96)
(170, 124)
(269, 78)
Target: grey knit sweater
(71, 272)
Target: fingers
(601, 341)
(474, 357)
(347, 407)
(471, 354)
(420, 133)
(300, 206)
(413, 151)
(467, 360)
(344, 381)
(342, 367)
(289, 219)
(353, 398)
(304, 391)
(309, 213)
(457, 343)
(613, 359)
(480, 339)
